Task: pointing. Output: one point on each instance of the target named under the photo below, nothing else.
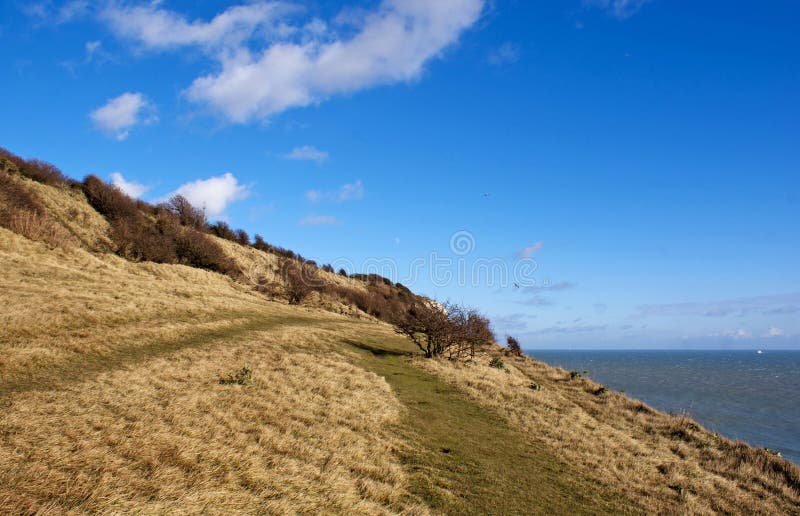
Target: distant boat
(759, 352)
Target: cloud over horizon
(765, 305)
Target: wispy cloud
(511, 322)
(94, 53)
(736, 334)
(268, 63)
(319, 220)
(155, 28)
(550, 287)
(307, 153)
(130, 188)
(537, 301)
(774, 333)
(527, 252)
(46, 12)
(120, 114)
(346, 192)
(774, 304)
(556, 330)
(620, 9)
(214, 194)
(505, 54)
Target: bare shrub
(242, 237)
(223, 230)
(513, 346)
(187, 214)
(244, 376)
(453, 329)
(109, 200)
(299, 278)
(197, 250)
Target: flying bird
(487, 195)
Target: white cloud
(529, 251)
(346, 192)
(507, 53)
(157, 28)
(307, 153)
(774, 332)
(213, 194)
(318, 220)
(120, 114)
(130, 188)
(619, 8)
(282, 66)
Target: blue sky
(632, 165)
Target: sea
(742, 395)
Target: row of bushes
(379, 300)
(176, 232)
(167, 233)
(35, 169)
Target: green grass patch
(464, 459)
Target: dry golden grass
(112, 402)
(259, 268)
(667, 464)
(59, 302)
(67, 207)
(307, 436)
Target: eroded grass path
(463, 459)
(83, 366)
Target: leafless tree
(187, 214)
(451, 329)
(513, 345)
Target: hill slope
(142, 387)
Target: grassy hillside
(133, 386)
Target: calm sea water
(740, 394)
